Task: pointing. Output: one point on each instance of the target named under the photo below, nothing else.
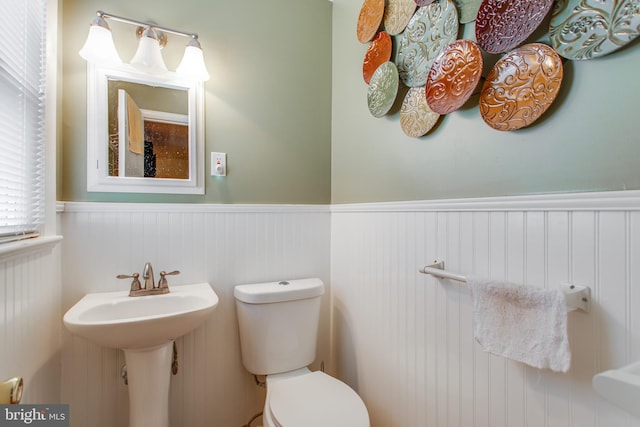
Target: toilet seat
(315, 399)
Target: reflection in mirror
(153, 125)
(145, 134)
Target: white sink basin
(620, 387)
(114, 319)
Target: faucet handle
(135, 283)
(163, 283)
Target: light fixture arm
(105, 15)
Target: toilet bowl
(278, 332)
(312, 399)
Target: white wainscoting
(224, 245)
(30, 320)
(404, 340)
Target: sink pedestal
(149, 375)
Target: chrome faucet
(149, 287)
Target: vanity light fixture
(192, 63)
(148, 55)
(100, 49)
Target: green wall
(287, 103)
(588, 140)
(268, 103)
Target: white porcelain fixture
(144, 327)
(113, 319)
(278, 333)
(621, 387)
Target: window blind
(22, 118)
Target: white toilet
(278, 333)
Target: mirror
(145, 134)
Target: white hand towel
(523, 323)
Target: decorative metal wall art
(442, 72)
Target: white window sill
(27, 246)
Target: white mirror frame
(98, 179)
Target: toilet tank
(278, 324)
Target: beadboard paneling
(404, 340)
(30, 322)
(219, 244)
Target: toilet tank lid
(284, 290)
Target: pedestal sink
(144, 327)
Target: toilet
(278, 332)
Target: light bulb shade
(99, 48)
(149, 57)
(192, 64)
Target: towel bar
(577, 297)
